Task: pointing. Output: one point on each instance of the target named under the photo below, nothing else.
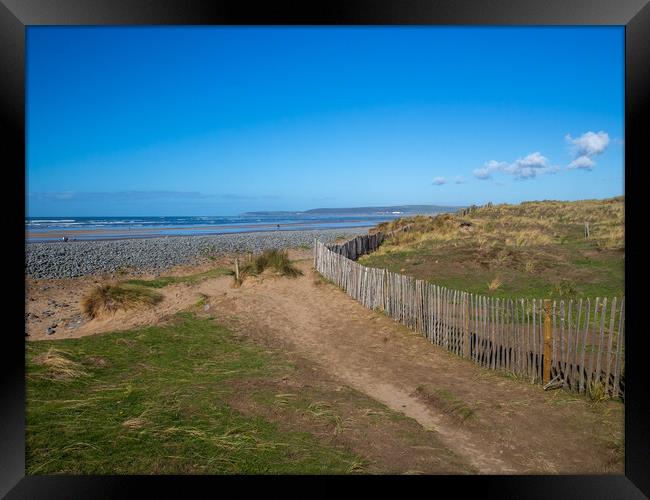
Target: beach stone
(55, 260)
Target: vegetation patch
(277, 260)
(113, 297)
(54, 364)
(164, 281)
(445, 401)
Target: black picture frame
(16, 15)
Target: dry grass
(494, 284)
(529, 237)
(58, 366)
(597, 393)
(109, 298)
(446, 401)
(524, 225)
(278, 260)
(323, 410)
(609, 238)
(135, 423)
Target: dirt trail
(497, 424)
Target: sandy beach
(133, 232)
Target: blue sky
(221, 120)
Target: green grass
(155, 401)
(203, 300)
(164, 281)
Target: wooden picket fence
(578, 344)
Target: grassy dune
(534, 249)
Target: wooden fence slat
(601, 339)
(491, 332)
(590, 346)
(569, 343)
(523, 337)
(619, 347)
(583, 373)
(612, 318)
(484, 329)
(538, 338)
(517, 338)
(498, 341)
(561, 333)
(512, 353)
(574, 372)
(529, 338)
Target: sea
(94, 228)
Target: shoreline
(143, 233)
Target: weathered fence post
(237, 269)
(548, 338)
(586, 230)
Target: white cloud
(495, 165)
(439, 181)
(489, 167)
(586, 147)
(523, 168)
(589, 143)
(482, 173)
(582, 162)
(459, 179)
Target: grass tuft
(58, 366)
(597, 393)
(564, 289)
(110, 298)
(494, 284)
(277, 260)
(447, 402)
